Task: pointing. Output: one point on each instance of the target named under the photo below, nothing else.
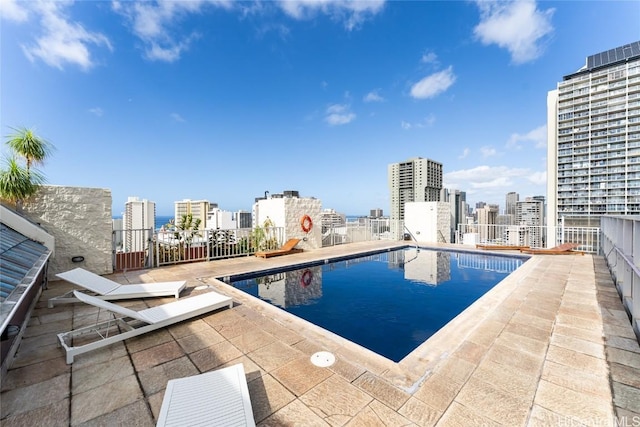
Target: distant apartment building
(414, 180)
(198, 209)
(510, 205)
(530, 213)
(331, 219)
(542, 199)
(138, 215)
(375, 213)
(593, 125)
(458, 207)
(243, 219)
(487, 230)
(505, 219)
(218, 219)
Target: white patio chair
(132, 323)
(109, 290)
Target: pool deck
(549, 345)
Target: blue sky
(224, 100)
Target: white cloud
(268, 27)
(351, 13)
(97, 111)
(482, 177)
(13, 11)
(151, 22)
(251, 8)
(464, 154)
(426, 122)
(434, 84)
(491, 183)
(517, 26)
(177, 117)
(430, 120)
(373, 96)
(168, 53)
(538, 136)
(429, 58)
(61, 41)
(488, 152)
(339, 114)
(538, 178)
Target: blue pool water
(390, 302)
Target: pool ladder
(412, 236)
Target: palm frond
(25, 143)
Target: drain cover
(323, 359)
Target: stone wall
(444, 221)
(295, 209)
(80, 221)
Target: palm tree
(26, 144)
(16, 183)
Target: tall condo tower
(510, 206)
(530, 212)
(593, 125)
(414, 180)
(487, 216)
(138, 215)
(458, 201)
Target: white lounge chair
(216, 398)
(132, 323)
(109, 290)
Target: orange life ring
(305, 280)
(306, 223)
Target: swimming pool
(389, 302)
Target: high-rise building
(458, 204)
(415, 180)
(542, 199)
(487, 216)
(138, 215)
(530, 213)
(331, 219)
(510, 204)
(375, 213)
(197, 208)
(593, 125)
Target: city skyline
(225, 100)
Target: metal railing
(361, 230)
(588, 238)
(181, 246)
(132, 249)
(621, 248)
(144, 248)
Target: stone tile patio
(550, 345)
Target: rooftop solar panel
(613, 55)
